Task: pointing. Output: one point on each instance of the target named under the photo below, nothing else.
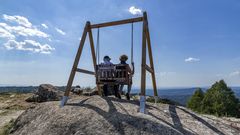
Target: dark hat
(123, 57)
(106, 57)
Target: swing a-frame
(146, 45)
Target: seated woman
(123, 59)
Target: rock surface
(108, 115)
(9, 116)
(46, 92)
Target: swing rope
(98, 47)
(132, 44)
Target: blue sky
(195, 42)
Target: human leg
(128, 92)
(105, 90)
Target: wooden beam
(148, 68)
(76, 61)
(143, 70)
(85, 71)
(151, 61)
(93, 54)
(132, 20)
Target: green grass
(162, 100)
(7, 127)
(16, 102)
(15, 107)
(5, 112)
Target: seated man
(123, 59)
(106, 62)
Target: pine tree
(220, 100)
(195, 101)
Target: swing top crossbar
(120, 22)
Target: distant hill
(180, 95)
(23, 89)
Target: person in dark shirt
(106, 62)
(130, 72)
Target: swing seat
(113, 74)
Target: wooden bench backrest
(115, 73)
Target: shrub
(218, 100)
(7, 128)
(162, 100)
(195, 102)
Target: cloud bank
(18, 19)
(29, 45)
(19, 27)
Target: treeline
(24, 89)
(218, 100)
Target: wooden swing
(114, 73)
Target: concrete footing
(63, 101)
(142, 108)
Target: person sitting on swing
(106, 62)
(123, 59)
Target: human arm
(133, 68)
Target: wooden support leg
(143, 70)
(74, 67)
(93, 54)
(151, 62)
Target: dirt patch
(11, 106)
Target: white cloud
(23, 31)
(135, 11)
(5, 34)
(29, 45)
(18, 19)
(60, 31)
(44, 25)
(236, 73)
(191, 59)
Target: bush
(162, 100)
(195, 102)
(219, 100)
(7, 128)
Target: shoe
(119, 96)
(127, 96)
